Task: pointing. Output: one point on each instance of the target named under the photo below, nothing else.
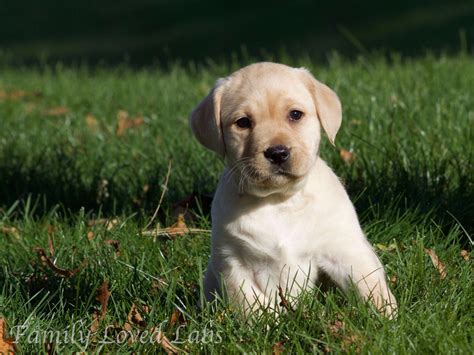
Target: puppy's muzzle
(277, 154)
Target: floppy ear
(328, 106)
(205, 120)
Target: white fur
(286, 235)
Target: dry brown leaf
(92, 123)
(18, 95)
(393, 280)
(115, 244)
(465, 255)
(279, 348)
(347, 156)
(49, 348)
(338, 330)
(56, 111)
(51, 245)
(165, 343)
(50, 229)
(437, 263)
(177, 229)
(95, 323)
(337, 326)
(45, 260)
(135, 318)
(10, 231)
(90, 235)
(174, 317)
(103, 295)
(7, 345)
(124, 122)
(283, 301)
(177, 317)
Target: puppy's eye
(295, 115)
(244, 122)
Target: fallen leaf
(165, 343)
(92, 123)
(176, 317)
(390, 247)
(135, 318)
(51, 245)
(437, 263)
(103, 295)
(465, 255)
(337, 329)
(337, 326)
(56, 111)
(10, 231)
(50, 228)
(347, 156)
(7, 344)
(124, 122)
(279, 347)
(48, 262)
(49, 348)
(95, 323)
(18, 94)
(179, 228)
(115, 244)
(283, 301)
(393, 280)
(90, 235)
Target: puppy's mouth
(273, 177)
(283, 172)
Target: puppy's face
(265, 121)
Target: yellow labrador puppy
(280, 216)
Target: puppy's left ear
(328, 106)
(205, 120)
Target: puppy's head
(265, 121)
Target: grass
(408, 122)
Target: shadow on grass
(417, 187)
(143, 32)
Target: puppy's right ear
(205, 120)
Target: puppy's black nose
(277, 154)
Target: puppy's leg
(360, 266)
(241, 288)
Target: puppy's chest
(284, 233)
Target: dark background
(142, 32)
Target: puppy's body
(260, 243)
(280, 215)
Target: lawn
(86, 154)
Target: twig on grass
(165, 187)
(170, 232)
